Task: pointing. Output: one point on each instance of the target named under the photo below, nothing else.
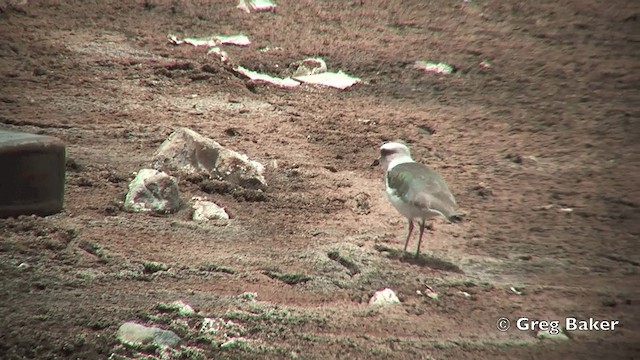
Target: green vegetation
(291, 279)
(150, 267)
(94, 249)
(217, 268)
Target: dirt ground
(540, 148)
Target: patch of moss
(150, 267)
(217, 268)
(248, 296)
(288, 278)
(351, 266)
(94, 249)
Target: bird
(415, 190)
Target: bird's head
(393, 153)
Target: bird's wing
(440, 202)
(422, 187)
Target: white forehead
(394, 147)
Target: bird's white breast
(409, 211)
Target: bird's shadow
(425, 260)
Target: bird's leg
(420, 240)
(406, 243)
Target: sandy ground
(540, 149)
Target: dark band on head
(386, 152)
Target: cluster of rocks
(185, 152)
(222, 333)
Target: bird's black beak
(375, 163)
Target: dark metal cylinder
(32, 174)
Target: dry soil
(536, 133)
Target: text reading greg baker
(570, 324)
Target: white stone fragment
(216, 51)
(211, 41)
(259, 77)
(432, 294)
(338, 80)
(384, 297)
(208, 41)
(311, 66)
(256, 5)
(239, 40)
(153, 190)
(186, 150)
(182, 308)
(204, 210)
(211, 325)
(516, 290)
(434, 67)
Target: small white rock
(434, 67)
(311, 66)
(153, 190)
(183, 308)
(384, 297)
(204, 210)
(432, 294)
(516, 290)
(211, 325)
(256, 5)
